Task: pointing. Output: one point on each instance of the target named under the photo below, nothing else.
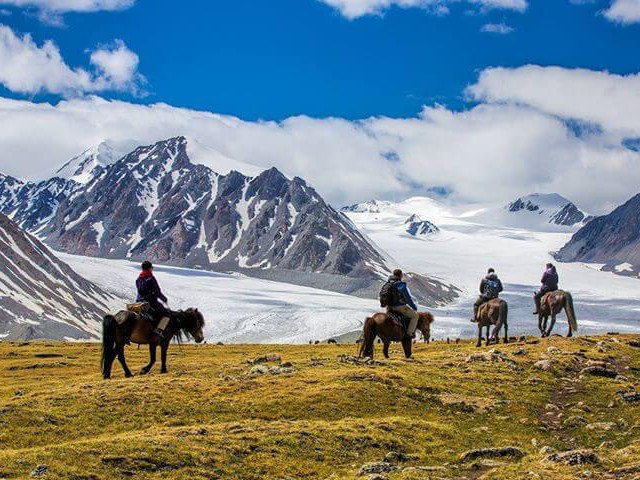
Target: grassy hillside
(325, 416)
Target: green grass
(209, 419)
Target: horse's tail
(109, 325)
(571, 313)
(368, 337)
(503, 313)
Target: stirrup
(159, 334)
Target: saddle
(143, 310)
(400, 320)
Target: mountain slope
(42, 297)
(612, 239)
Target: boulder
(39, 471)
(575, 457)
(545, 365)
(600, 371)
(376, 467)
(492, 453)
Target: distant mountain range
(554, 208)
(613, 240)
(42, 297)
(170, 203)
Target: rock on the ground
(376, 467)
(492, 453)
(600, 371)
(604, 426)
(631, 397)
(575, 457)
(39, 471)
(266, 359)
(545, 365)
(399, 457)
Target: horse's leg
(479, 342)
(570, 334)
(551, 325)
(406, 346)
(123, 362)
(506, 332)
(488, 337)
(163, 356)
(152, 359)
(540, 327)
(385, 349)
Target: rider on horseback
(490, 288)
(549, 284)
(396, 297)
(149, 291)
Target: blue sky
(486, 100)
(278, 58)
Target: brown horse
(126, 326)
(551, 304)
(493, 312)
(381, 325)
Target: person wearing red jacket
(149, 291)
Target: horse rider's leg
(163, 356)
(152, 359)
(479, 342)
(406, 346)
(385, 349)
(123, 362)
(551, 325)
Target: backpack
(389, 294)
(492, 289)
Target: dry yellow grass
(209, 418)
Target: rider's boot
(158, 332)
(536, 299)
(475, 314)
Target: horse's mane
(182, 320)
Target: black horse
(126, 327)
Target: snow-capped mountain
(373, 206)
(612, 239)
(552, 208)
(89, 164)
(32, 204)
(169, 202)
(417, 226)
(42, 297)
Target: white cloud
(624, 11)
(515, 142)
(51, 11)
(357, 8)
(29, 68)
(608, 100)
(499, 28)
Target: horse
(125, 327)
(493, 312)
(381, 325)
(551, 304)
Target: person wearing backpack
(490, 288)
(395, 295)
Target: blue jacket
(405, 295)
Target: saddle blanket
(400, 320)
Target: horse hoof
(164, 371)
(478, 345)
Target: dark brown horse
(493, 312)
(550, 306)
(125, 327)
(381, 325)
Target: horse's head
(194, 324)
(425, 319)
